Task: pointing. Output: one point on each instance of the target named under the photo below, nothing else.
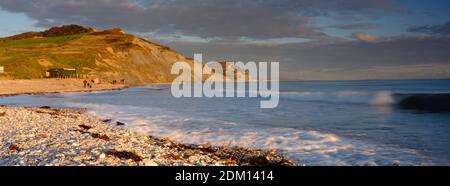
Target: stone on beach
(120, 123)
(150, 163)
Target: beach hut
(61, 73)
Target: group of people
(122, 81)
(87, 84)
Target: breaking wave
(352, 97)
(439, 102)
(426, 102)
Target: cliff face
(109, 55)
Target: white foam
(382, 98)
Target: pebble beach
(46, 136)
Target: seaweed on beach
(100, 136)
(84, 130)
(124, 155)
(13, 147)
(57, 112)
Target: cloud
(348, 60)
(443, 29)
(405, 71)
(368, 38)
(263, 19)
(356, 26)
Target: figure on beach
(85, 83)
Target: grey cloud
(214, 18)
(349, 60)
(356, 26)
(364, 37)
(443, 29)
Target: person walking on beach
(85, 83)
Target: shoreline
(49, 86)
(69, 137)
(57, 92)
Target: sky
(312, 39)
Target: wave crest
(352, 97)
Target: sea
(322, 123)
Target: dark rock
(106, 120)
(45, 107)
(85, 127)
(120, 123)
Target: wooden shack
(61, 73)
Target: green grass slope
(33, 42)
